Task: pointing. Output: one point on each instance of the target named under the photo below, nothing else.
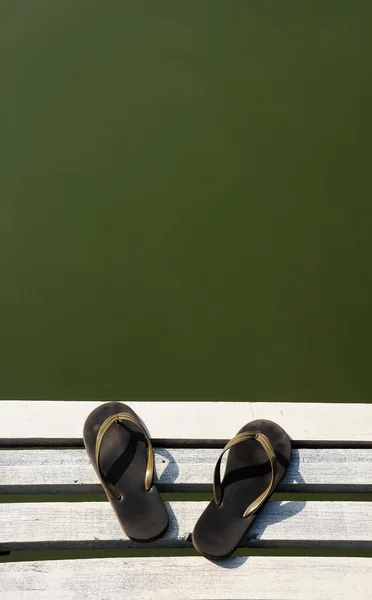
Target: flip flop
(258, 458)
(115, 441)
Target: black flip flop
(258, 458)
(116, 440)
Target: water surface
(185, 200)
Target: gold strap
(243, 437)
(150, 462)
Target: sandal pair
(116, 442)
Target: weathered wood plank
(192, 420)
(194, 578)
(69, 470)
(88, 525)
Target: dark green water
(185, 199)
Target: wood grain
(192, 420)
(69, 471)
(191, 578)
(88, 525)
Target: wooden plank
(192, 420)
(69, 471)
(194, 578)
(88, 525)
